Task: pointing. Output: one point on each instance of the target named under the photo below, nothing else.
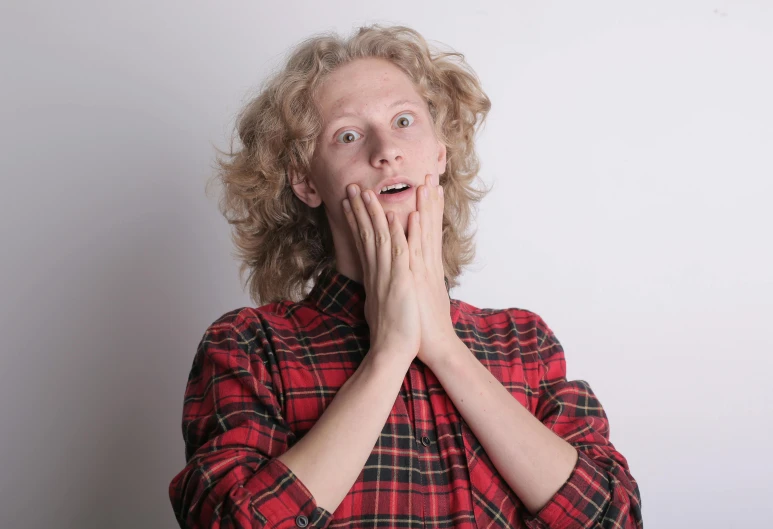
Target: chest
(427, 468)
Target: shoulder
(272, 316)
(245, 326)
(524, 320)
(516, 327)
(268, 327)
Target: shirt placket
(424, 435)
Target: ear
(304, 188)
(441, 158)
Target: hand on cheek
(425, 262)
(437, 332)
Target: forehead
(363, 86)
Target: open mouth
(393, 190)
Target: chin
(402, 216)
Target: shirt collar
(343, 298)
(339, 296)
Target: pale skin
(531, 458)
(373, 95)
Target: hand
(437, 330)
(391, 303)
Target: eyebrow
(396, 103)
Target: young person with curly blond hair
(373, 398)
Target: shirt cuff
(578, 503)
(282, 500)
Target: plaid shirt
(261, 377)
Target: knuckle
(364, 235)
(381, 238)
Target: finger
(365, 230)
(400, 252)
(441, 203)
(416, 261)
(381, 237)
(352, 221)
(428, 235)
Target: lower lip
(386, 198)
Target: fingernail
(440, 190)
(424, 192)
(366, 197)
(351, 190)
(347, 206)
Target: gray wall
(630, 148)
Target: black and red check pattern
(261, 377)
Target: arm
(532, 459)
(600, 492)
(559, 460)
(235, 434)
(333, 453)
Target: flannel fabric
(261, 377)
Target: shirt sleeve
(234, 431)
(600, 492)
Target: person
(359, 392)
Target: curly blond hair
(282, 241)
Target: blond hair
(280, 240)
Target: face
(376, 128)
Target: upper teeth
(396, 186)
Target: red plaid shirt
(261, 377)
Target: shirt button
(425, 440)
(301, 521)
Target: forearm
(531, 458)
(331, 455)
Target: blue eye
(348, 134)
(400, 119)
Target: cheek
(332, 187)
(429, 153)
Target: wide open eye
(403, 118)
(349, 135)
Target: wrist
(450, 352)
(385, 358)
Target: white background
(630, 148)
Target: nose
(384, 149)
